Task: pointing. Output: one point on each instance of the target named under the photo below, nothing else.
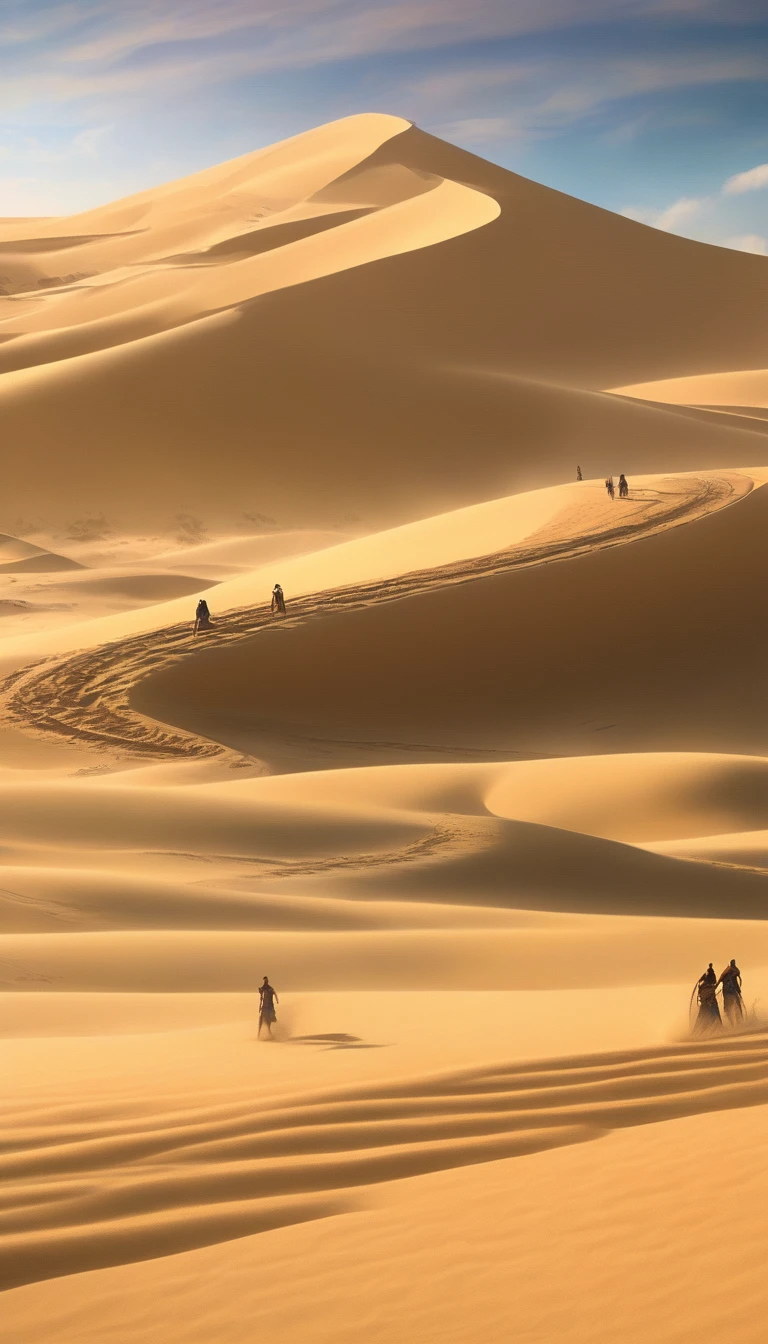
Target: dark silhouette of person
(609, 487)
(579, 476)
(278, 601)
(732, 1000)
(267, 1000)
(708, 1018)
(202, 616)
(623, 487)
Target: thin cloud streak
(753, 180)
(748, 242)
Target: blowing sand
(483, 804)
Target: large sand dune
(453, 317)
(483, 804)
(624, 648)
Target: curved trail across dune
(110, 1191)
(86, 697)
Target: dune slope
(455, 317)
(622, 649)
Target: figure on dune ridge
(732, 999)
(623, 487)
(708, 1018)
(579, 476)
(267, 1000)
(609, 487)
(202, 617)
(278, 601)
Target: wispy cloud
(672, 217)
(84, 47)
(481, 130)
(752, 180)
(748, 242)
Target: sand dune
(649, 630)
(484, 804)
(22, 557)
(746, 388)
(407, 1265)
(91, 695)
(186, 1182)
(501, 307)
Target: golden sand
(483, 805)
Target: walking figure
(202, 616)
(708, 1018)
(732, 1000)
(579, 476)
(278, 601)
(609, 487)
(267, 1000)
(623, 487)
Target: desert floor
(483, 804)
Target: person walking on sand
(609, 487)
(708, 1018)
(732, 1000)
(579, 476)
(202, 616)
(267, 1000)
(623, 487)
(278, 601)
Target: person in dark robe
(623, 487)
(708, 1018)
(267, 1000)
(579, 476)
(278, 601)
(202, 616)
(732, 1000)
(609, 487)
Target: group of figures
(708, 1018)
(623, 487)
(203, 615)
(609, 485)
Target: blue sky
(658, 108)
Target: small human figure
(623, 487)
(579, 476)
(202, 616)
(732, 1000)
(708, 1018)
(610, 487)
(267, 1000)
(278, 601)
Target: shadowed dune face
(624, 649)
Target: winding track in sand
(85, 697)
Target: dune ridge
(66, 694)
